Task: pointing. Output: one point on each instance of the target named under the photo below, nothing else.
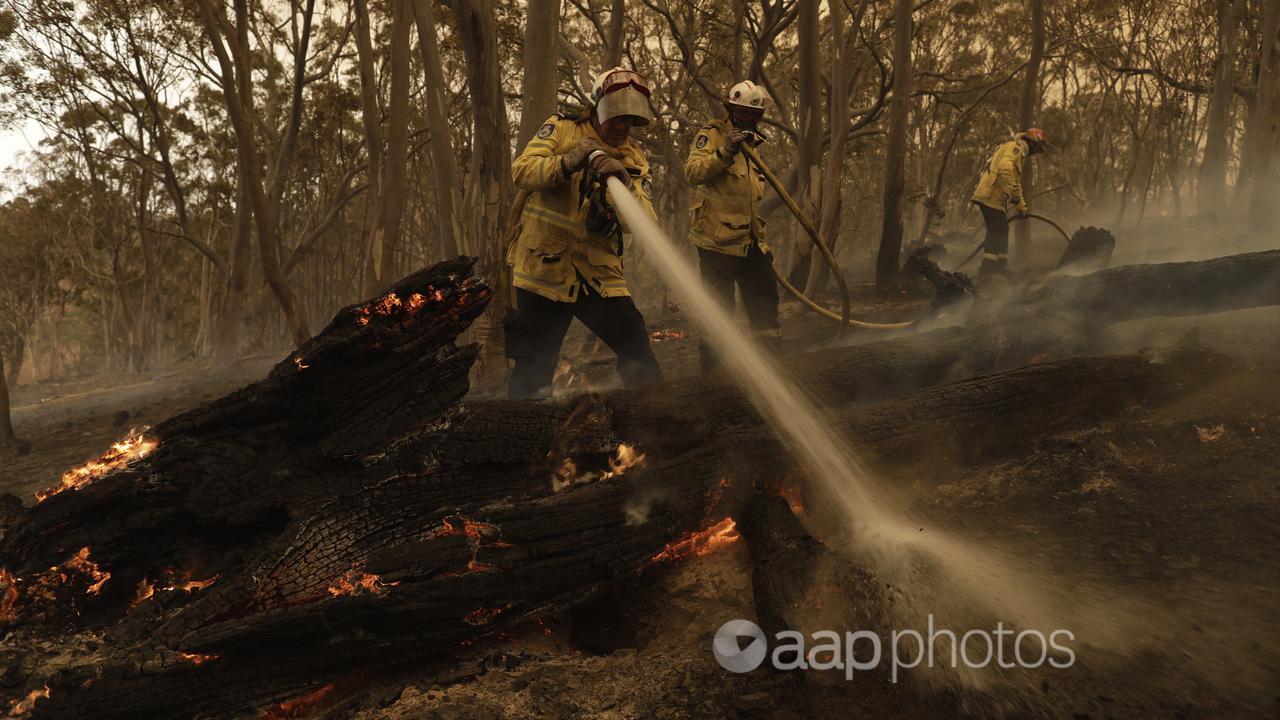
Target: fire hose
(1023, 216)
(843, 318)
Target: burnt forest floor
(1176, 505)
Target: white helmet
(619, 92)
(748, 95)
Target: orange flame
(416, 301)
(80, 562)
(357, 581)
(21, 707)
(483, 616)
(704, 542)
(8, 596)
(299, 707)
(175, 581)
(134, 446)
(624, 458)
(144, 593)
(196, 658)
(387, 304)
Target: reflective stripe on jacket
(729, 191)
(1000, 185)
(553, 248)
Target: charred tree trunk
(348, 515)
(887, 258)
(1028, 107)
(444, 165)
(542, 23)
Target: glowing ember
(21, 707)
(387, 304)
(298, 707)
(144, 593)
(437, 295)
(298, 363)
(80, 562)
(416, 301)
(658, 336)
(624, 458)
(195, 658)
(476, 533)
(705, 542)
(8, 596)
(133, 446)
(357, 581)
(483, 616)
(174, 580)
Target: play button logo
(730, 650)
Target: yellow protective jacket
(553, 251)
(729, 190)
(1000, 185)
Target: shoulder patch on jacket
(546, 130)
(702, 141)
(647, 186)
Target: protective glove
(603, 165)
(734, 140)
(1022, 209)
(601, 220)
(578, 154)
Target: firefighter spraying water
(939, 574)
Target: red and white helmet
(620, 92)
(748, 95)
(1036, 135)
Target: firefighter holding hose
(999, 190)
(724, 225)
(566, 259)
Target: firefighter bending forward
(1000, 190)
(724, 225)
(566, 260)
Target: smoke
(926, 570)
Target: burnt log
(350, 514)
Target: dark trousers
(995, 248)
(753, 275)
(535, 331)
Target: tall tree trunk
(1213, 171)
(371, 117)
(617, 23)
(231, 312)
(838, 127)
(489, 187)
(444, 164)
(6, 421)
(1028, 108)
(1266, 121)
(809, 145)
(394, 188)
(541, 55)
(19, 350)
(266, 211)
(887, 259)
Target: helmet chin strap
(743, 124)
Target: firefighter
(724, 225)
(566, 259)
(999, 190)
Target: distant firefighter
(999, 189)
(725, 226)
(566, 260)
